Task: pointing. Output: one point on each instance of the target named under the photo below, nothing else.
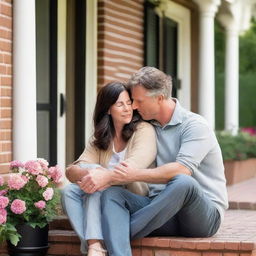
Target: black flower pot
(33, 241)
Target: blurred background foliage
(247, 76)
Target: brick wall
(120, 39)
(5, 84)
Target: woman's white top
(116, 158)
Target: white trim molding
(182, 16)
(91, 65)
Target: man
(188, 194)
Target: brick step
(67, 243)
(236, 237)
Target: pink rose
(16, 164)
(42, 181)
(3, 216)
(4, 201)
(1, 181)
(55, 173)
(44, 164)
(16, 181)
(18, 206)
(48, 194)
(3, 192)
(40, 204)
(33, 167)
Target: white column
(234, 18)
(232, 81)
(208, 9)
(24, 80)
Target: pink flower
(3, 216)
(250, 130)
(4, 201)
(3, 192)
(48, 194)
(55, 173)
(16, 181)
(44, 164)
(16, 164)
(18, 206)
(40, 204)
(1, 181)
(33, 167)
(42, 181)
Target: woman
(119, 135)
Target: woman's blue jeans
(181, 209)
(84, 213)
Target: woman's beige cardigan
(140, 153)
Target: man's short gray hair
(153, 80)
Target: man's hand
(96, 179)
(124, 173)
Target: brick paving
(243, 195)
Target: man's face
(147, 106)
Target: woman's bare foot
(95, 248)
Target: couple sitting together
(152, 168)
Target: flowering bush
(29, 196)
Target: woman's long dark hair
(104, 130)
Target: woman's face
(121, 112)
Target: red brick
(217, 245)
(149, 241)
(176, 243)
(6, 10)
(230, 254)
(4, 168)
(203, 245)
(163, 242)
(247, 246)
(136, 242)
(162, 253)
(232, 246)
(6, 91)
(5, 113)
(147, 252)
(211, 254)
(136, 252)
(6, 22)
(7, 59)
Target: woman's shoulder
(145, 125)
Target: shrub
(237, 147)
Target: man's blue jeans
(181, 209)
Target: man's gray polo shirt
(188, 140)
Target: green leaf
(14, 238)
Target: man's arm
(161, 174)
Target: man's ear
(160, 98)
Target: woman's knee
(71, 190)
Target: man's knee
(184, 182)
(111, 193)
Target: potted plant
(28, 201)
(239, 154)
